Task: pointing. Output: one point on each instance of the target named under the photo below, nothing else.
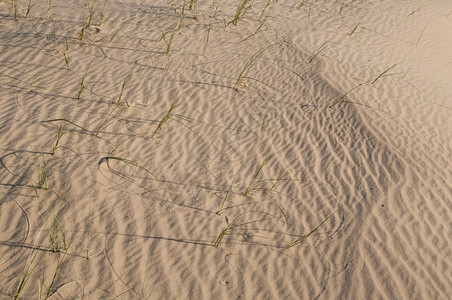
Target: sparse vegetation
(241, 10)
(96, 108)
(234, 227)
(82, 83)
(253, 182)
(320, 49)
(249, 64)
(384, 72)
(167, 115)
(305, 236)
(59, 136)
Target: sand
(152, 151)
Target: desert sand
(235, 149)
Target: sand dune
(157, 150)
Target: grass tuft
(305, 236)
(29, 6)
(59, 136)
(241, 9)
(102, 16)
(320, 49)
(123, 87)
(235, 228)
(42, 175)
(104, 122)
(264, 9)
(250, 63)
(268, 157)
(29, 269)
(227, 194)
(341, 99)
(82, 83)
(384, 72)
(167, 115)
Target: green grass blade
(384, 72)
(303, 237)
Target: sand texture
(173, 149)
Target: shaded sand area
(258, 149)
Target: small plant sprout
(209, 27)
(384, 72)
(320, 49)
(49, 7)
(264, 121)
(59, 136)
(277, 180)
(91, 12)
(341, 99)
(193, 7)
(51, 288)
(256, 31)
(167, 63)
(41, 181)
(264, 9)
(235, 228)
(302, 3)
(420, 36)
(65, 52)
(167, 115)
(54, 38)
(406, 73)
(87, 21)
(182, 16)
(240, 12)
(36, 77)
(225, 231)
(57, 236)
(226, 196)
(82, 32)
(104, 122)
(249, 65)
(82, 83)
(253, 182)
(88, 237)
(170, 42)
(114, 35)
(206, 42)
(23, 282)
(15, 10)
(35, 187)
(354, 29)
(123, 88)
(305, 236)
(29, 269)
(42, 175)
(340, 9)
(102, 16)
(67, 121)
(29, 6)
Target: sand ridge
(310, 143)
